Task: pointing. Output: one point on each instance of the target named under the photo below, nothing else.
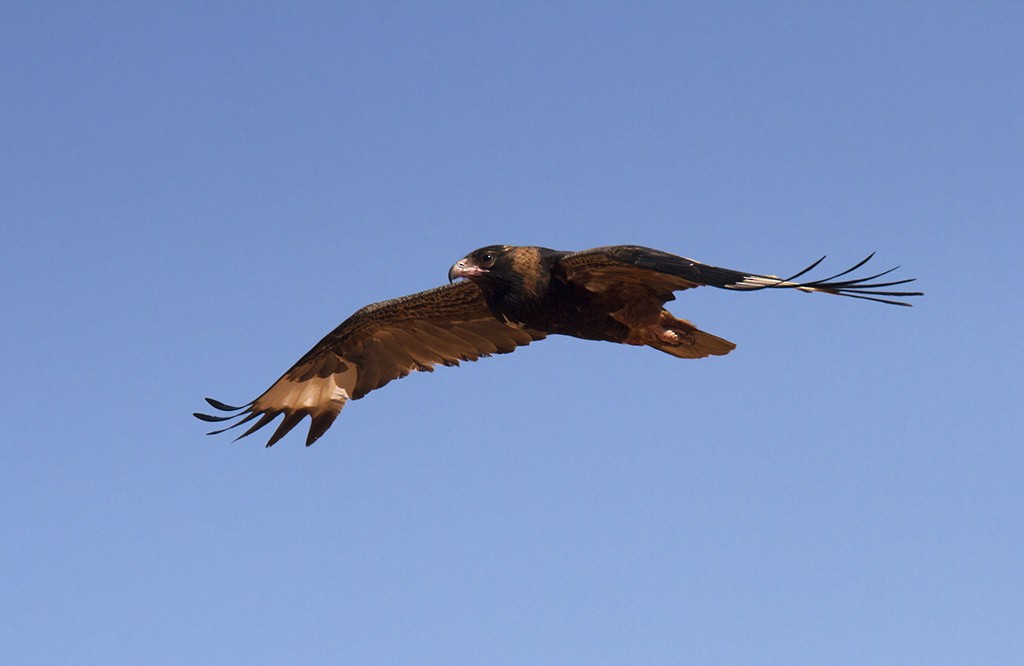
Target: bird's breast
(562, 311)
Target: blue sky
(193, 194)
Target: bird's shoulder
(602, 268)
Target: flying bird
(508, 297)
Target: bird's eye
(488, 257)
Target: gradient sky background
(192, 194)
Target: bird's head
(487, 263)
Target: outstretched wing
(661, 273)
(377, 344)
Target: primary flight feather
(509, 297)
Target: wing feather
(445, 344)
(661, 273)
(378, 344)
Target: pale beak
(464, 268)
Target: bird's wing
(624, 266)
(377, 344)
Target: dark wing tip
(210, 418)
(291, 419)
(862, 288)
(320, 422)
(217, 404)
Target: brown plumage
(510, 297)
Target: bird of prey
(509, 297)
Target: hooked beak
(464, 268)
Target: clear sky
(192, 194)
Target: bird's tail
(682, 339)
